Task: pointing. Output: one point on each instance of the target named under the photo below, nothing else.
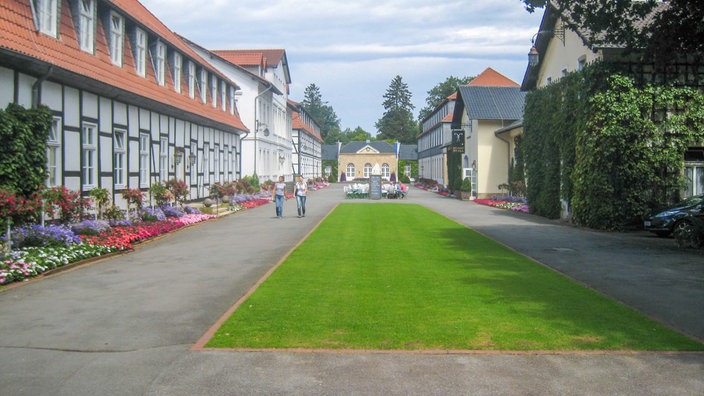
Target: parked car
(663, 223)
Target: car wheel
(687, 235)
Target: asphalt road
(126, 325)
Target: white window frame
(206, 163)
(53, 153)
(223, 96)
(193, 167)
(164, 159)
(216, 163)
(350, 171)
(191, 80)
(178, 65)
(120, 157)
(232, 100)
(117, 34)
(160, 65)
(89, 155)
(86, 25)
(203, 85)
(214, 90)
(48, 17)
(367, 170)
(144, 142)
(385, 171)
(140, 52)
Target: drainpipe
(37, 87)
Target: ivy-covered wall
(609, 148)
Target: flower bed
(516, 206)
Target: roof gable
(356, 147)
(491, 78)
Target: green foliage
(101, 196)
(670, 33)
(332, 177)
(466, 185)
(610, 149)
(160, 193)
(397, 123)
(23, 133)
(440, 92)
(322, 113)
(454, 171)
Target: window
(350, 171)
(120, 154)
(177, 72)
(232, 100)
(206, 163)
(367, 170)
(214, 91)
(223, 96)
(160, 63)
(191, 80)
(164, 159)
(216, 162)
(140, 52)
(86, 24)
(203, 85)
(194, 153)
(53, 153)
(48, 17)
(144, 159)
(89, 155)
(385, 171)
(116, 38)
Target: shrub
(160, 193)
(36, 235)
(152, 214)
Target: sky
(353, 49)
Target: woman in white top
(279, 197)
(301, 190)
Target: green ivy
(454, 171)
(23, 133)
(611, 149)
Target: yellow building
(359, 160)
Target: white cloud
(352, 49)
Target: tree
(676, 29)
(440, 92)
(397, 122)
(358, 134)
(321, 112)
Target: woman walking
(301, 190)
(279, 197)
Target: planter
(465, 195)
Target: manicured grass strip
(389, 276)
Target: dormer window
(203, 85)
(178, 62)
(86, 25)
(48, 17)
(223, 96)
(117, 32)
(214, 91)
(191, 80)
(140, 52)
(160, 64)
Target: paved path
(125, 325)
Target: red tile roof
(492, 78)
(20, 36)
(252, 57)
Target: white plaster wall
(7, 82)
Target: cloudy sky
(352, 49)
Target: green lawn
(390, 276)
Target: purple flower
(172, 211)
(91, 227)
(152, 214)
(191, 210)
(36, 235)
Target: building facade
(132, 104)
(359, 160)
(484, 109)
(306, 158)
(434, 141)
(267, 150)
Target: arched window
(350, 171)
(385, 170)
(367, 170)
